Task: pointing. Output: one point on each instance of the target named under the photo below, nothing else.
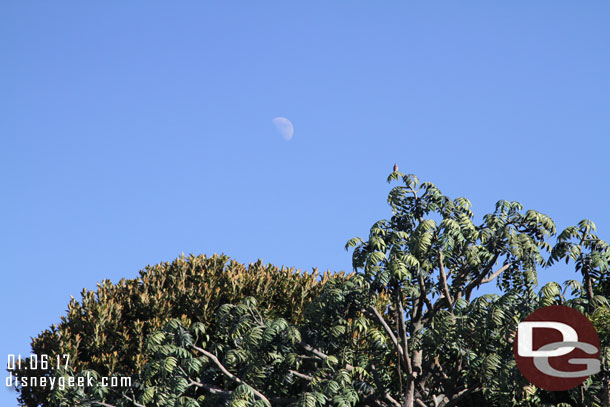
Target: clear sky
(133, 131)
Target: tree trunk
(417, 361)
(410, 394)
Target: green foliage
(106, 330)
(409, 328)
(430, 258)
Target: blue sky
(130, 133)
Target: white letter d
(525, 343)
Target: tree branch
(459, 396)
(320, 354)
(229, 374)
(403, 358)
(405, 340)
(423, 299)
(420, 403)
(443, 277)
(381, 391)
(135, 403)
(477, 281)
(100, 403)
(496, 274)
(301, 375)
(210, 389)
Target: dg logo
(556, 348)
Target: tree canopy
(407, 328)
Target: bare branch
(381, 391)
(391, 400)
(420, 403)
(477, 281)
(321, 354)
(496, 273)
(135, 403)
(301, 375)
(443, 276)
(210, 389)
(403, 328)
(214, 390)
(401, 352)
(207, 387)
(420, 317)
(459, 396)
(99, 403)
(229, 374)
(421, 300)
(380, 401)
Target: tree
(106, 330)
(408, 328)
(430, 258)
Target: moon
(284, 127)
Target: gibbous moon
(284, 127)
